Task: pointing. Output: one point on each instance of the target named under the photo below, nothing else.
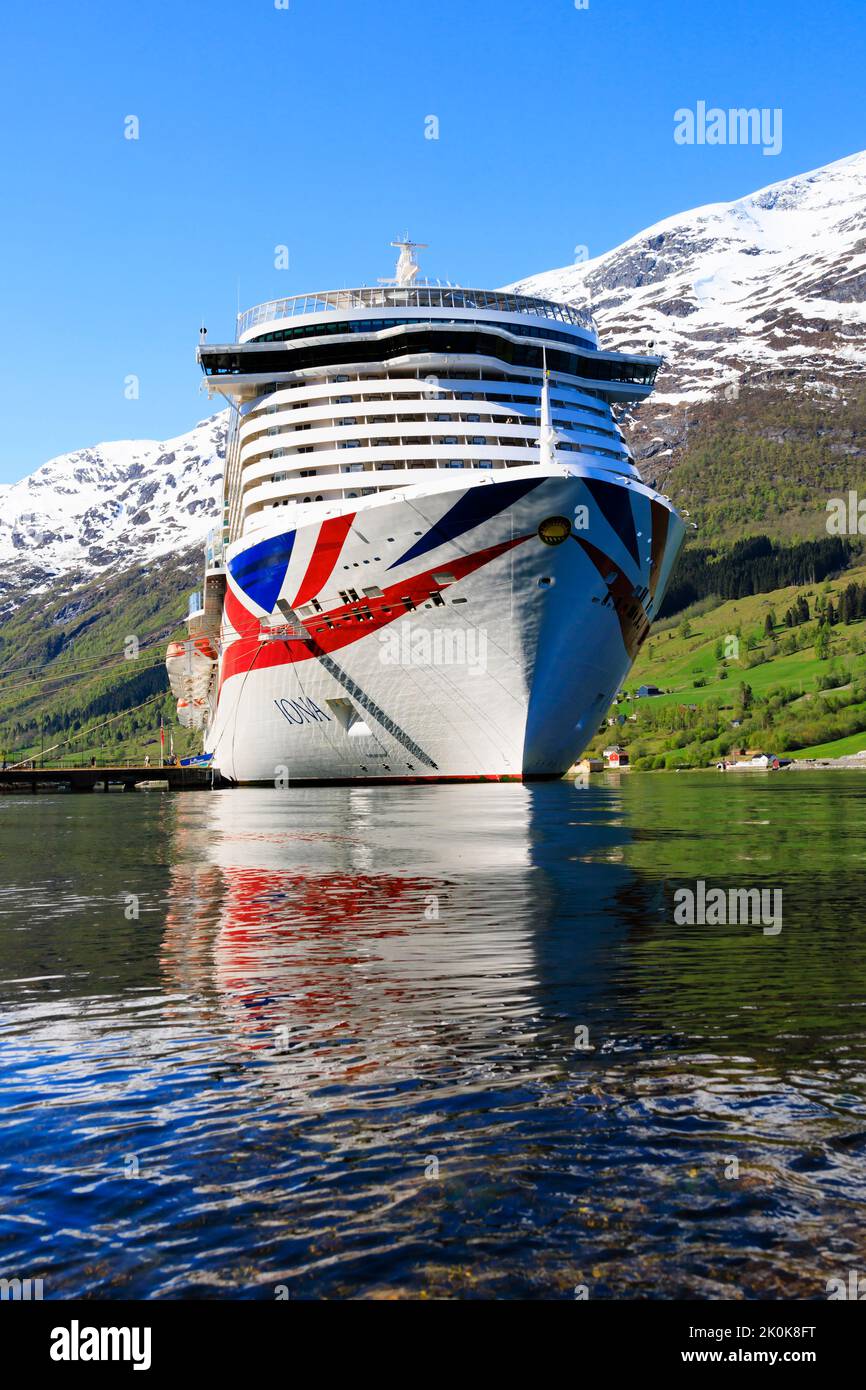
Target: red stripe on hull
(349, 622)
(332, 537)
(411, 781)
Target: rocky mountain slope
(72, 682)
(771, 286)
(766, 291)
(101, 509)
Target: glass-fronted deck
(410, 297)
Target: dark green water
(336, 1048)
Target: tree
(822, 643)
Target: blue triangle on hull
(475, 506)
(614, 502)
(260, 571)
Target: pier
(88, 779)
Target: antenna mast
(408, 269)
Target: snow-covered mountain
(108, 506)
(769, 288)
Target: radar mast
(408, 269)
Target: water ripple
(451, 1041)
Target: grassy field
(728, 684)
(842, 747)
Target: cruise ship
(437, 560)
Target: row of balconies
(260, 454)
(312, 409)
(376, 421)
(369, 390)
(284, 416)
(335, 487)
(310, 485)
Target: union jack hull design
(463, 633)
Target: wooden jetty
(88, 779)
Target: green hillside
(768, 461)
(751, 673)
(72, 681)
(756, 474)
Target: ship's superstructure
(436, 559)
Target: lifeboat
(191, 667)
(191, 714)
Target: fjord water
(329, 1042)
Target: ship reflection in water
(393, 1041)
(354, 956)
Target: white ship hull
(474, 650)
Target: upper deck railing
(411, 297)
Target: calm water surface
(331, 1040)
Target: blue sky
(305, 126)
